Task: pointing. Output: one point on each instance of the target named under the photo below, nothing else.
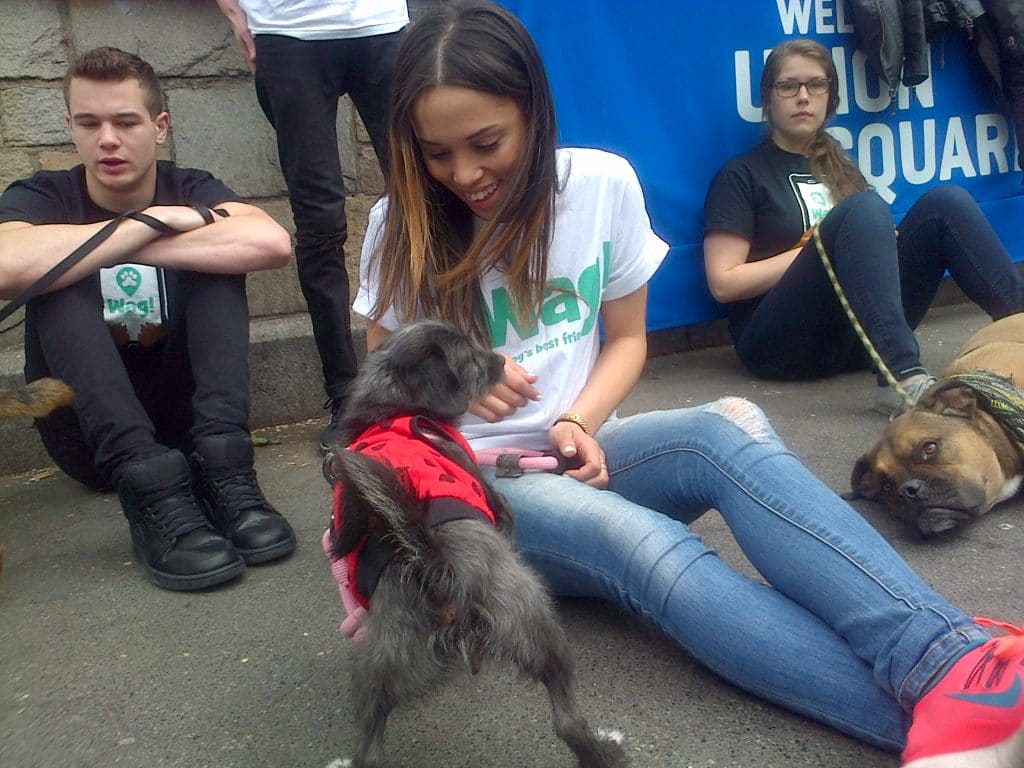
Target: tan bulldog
(947, 460)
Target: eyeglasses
(787, 89)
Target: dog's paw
(614, 735)
(608, 752)
(341, 762)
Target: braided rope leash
(851, 315)
(999, 397)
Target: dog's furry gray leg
(526, 631)
(549, 660)
(397, 663)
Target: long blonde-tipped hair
(429, 259)
(830, 163)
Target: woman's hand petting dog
(511, 393)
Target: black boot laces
(176, 515)
(239, 492)
(337, 406)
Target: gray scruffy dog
(449, 589)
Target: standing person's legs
(946, 230)
(368, 83)
(298, 84)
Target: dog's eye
(888, 486)
(929, 449)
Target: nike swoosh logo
(1005, 700)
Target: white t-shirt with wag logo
(603, 248)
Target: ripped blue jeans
(843, 631)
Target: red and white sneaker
(974, 716)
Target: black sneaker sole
(193, 582)
(266, 554)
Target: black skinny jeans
(133, 402)
(799, 329)
(298, 83)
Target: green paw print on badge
(129, 279)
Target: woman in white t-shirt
(488, 226)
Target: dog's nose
(910, 489)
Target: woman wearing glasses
(761, 261)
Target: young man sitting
(150, 329)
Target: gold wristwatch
(576, 419)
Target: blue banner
(673, 86)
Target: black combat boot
(171, 537)
(226, 485)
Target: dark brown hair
(112, 65)
(429, 259)
(830, 163)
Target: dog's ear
(864, 479)
(950, 399)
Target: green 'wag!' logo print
(129, 279)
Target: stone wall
(216, 123)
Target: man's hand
(247, 46)
(240, 26)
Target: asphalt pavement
(99, 668)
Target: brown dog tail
(37, 398)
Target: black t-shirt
(61, 197)
(768, 197)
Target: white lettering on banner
(744, 87)
(829, 16)
(991, 153)
(955, 153)
(911, 172)
(992, 135)
(883, 179)
(839, 59)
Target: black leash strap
(44, 282)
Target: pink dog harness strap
(513, 462)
